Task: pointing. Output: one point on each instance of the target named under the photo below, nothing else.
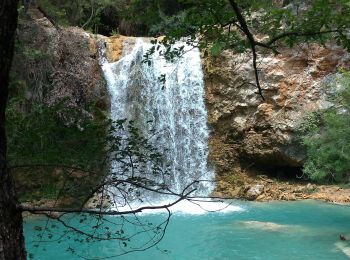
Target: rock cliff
(254, 136)
(294, 83)
(54, 65)
(61, 63)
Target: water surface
(251, 230)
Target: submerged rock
(269, 226)
(343, 247)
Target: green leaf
(216, 49)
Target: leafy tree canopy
(219, 22)
(245, 26)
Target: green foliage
(66, 154)
(153, 17)
(326, 136)
(213, 20)
(45, 139)
(84, 13)
(110, 16)
(32, 66)
(42, 134)
(115, 32)
(45, 135)
(213, 25)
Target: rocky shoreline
(263, 188)
(260, 188)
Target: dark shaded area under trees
(110, 17)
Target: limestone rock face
(69, 69)
(263, 131)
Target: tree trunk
(11, 228)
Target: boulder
(255, 191)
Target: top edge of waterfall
(130, 44)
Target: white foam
(343, 247)
(204, 207)
(186, 207)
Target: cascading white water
(176, 109)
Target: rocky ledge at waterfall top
(246, 132)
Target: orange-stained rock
(239, 185)
(293, 82)
(114, 48)
(249, 132)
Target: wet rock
(254, 191)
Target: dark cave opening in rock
(278, 172)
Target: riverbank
(264, 188)
(260, 188)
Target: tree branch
(298, 34)
(52, 21)
(269, 45)
(244, 27)
(45, 210)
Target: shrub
(326, 136)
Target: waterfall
(176, 108)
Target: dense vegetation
(215, 23)
(42, 142)
(326, 136)
(108, 17)
(43, 133)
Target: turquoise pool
(274, 230)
